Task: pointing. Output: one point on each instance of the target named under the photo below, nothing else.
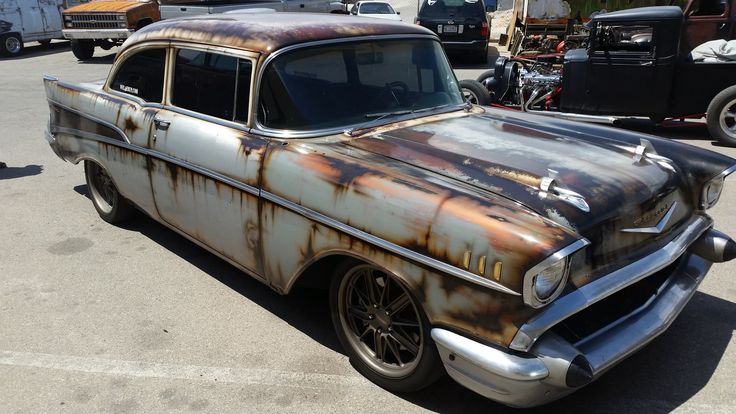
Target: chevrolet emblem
(659, 226)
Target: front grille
(95, 21)
(607, 311)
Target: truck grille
(95, 21)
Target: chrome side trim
(110, 125)
(728, 171)
(384, 244)
(660, 225)
(604, 286)
(50, 78)
(311, 214)
(490, 359)
(529, 296)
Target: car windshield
(351, 83)
(451, 8)
(376, 8)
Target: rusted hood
(511, 157)
(112, 6)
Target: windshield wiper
(381, 115)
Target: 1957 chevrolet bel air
(522, 255)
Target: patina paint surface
(453, 187)
(134, 10)
(265, 35)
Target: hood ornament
(645, 152)
(660, 225)
(551, 188)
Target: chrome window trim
(124, 56)
(260, 129)
(530, 297)
(240, 54)
(306, 212)
(587, 295)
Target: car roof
(645, 13)
(268, 32)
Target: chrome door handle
(161, 124)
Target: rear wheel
(83, 49)
(721, 116)
(11, 44)
(110, 205)
(475, 92)
(382, 328)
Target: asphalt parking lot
(98, 318)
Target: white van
(30, 21)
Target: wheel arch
(318, 271)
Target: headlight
(548, 280)
(67, 18)
(121, 17)
(712, 192)
(123, 25)
(545, 281)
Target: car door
(629, 74)
(51, 15)
(204, 164)
(135, 90)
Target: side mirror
(398, 12)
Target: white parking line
(187, 372)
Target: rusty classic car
(522, 255)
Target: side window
(212, 84)
(708, 8)
(142, 75)
(624, 38)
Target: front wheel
(475, 92)
(83, 49)
(382, 328)
(110, 205)
(721, 116)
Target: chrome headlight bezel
(711, 192)
(560, 259)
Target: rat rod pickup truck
(637, 64)
(522, 255)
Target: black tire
(491, 73)
(83, 49)
(110, 205)
(44, 42)
(721, 116)
(423, 365)
(475, 92)
(11, 44)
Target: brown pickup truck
(106, 23)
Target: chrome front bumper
(97, 33)
(553, 367)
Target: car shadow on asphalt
(10, 172)
(36, 50)
(658, 379)
(467, 61)
(305, 309)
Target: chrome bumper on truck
(97, 33)
(543, 364)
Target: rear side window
(212, 84)
(142, 75)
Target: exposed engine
(524, 85)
